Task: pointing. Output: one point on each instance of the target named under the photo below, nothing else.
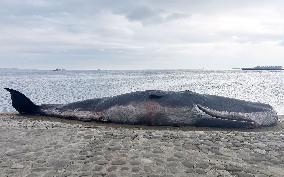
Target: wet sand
(43, 146)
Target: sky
(141, 34)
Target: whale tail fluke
(22, 103)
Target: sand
(43, 146)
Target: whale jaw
(214, 118)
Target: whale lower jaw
(214, 118)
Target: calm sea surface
(69, 86)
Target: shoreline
(278, 127)
(44, 146)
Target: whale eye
(155, 96)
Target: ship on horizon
(269, 68)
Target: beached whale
(156, 107)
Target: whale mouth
(214, 118)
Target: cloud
(149, 15)
(142, 13)
(129, 33)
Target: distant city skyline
(142, 34)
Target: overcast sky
(141, 34)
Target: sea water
(47, 87)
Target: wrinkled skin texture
(168, 108)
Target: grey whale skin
(157, 107)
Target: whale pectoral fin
(22, 103)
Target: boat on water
(264, 68)
(59, 69)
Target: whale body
(157, 107)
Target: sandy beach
(43, 146)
